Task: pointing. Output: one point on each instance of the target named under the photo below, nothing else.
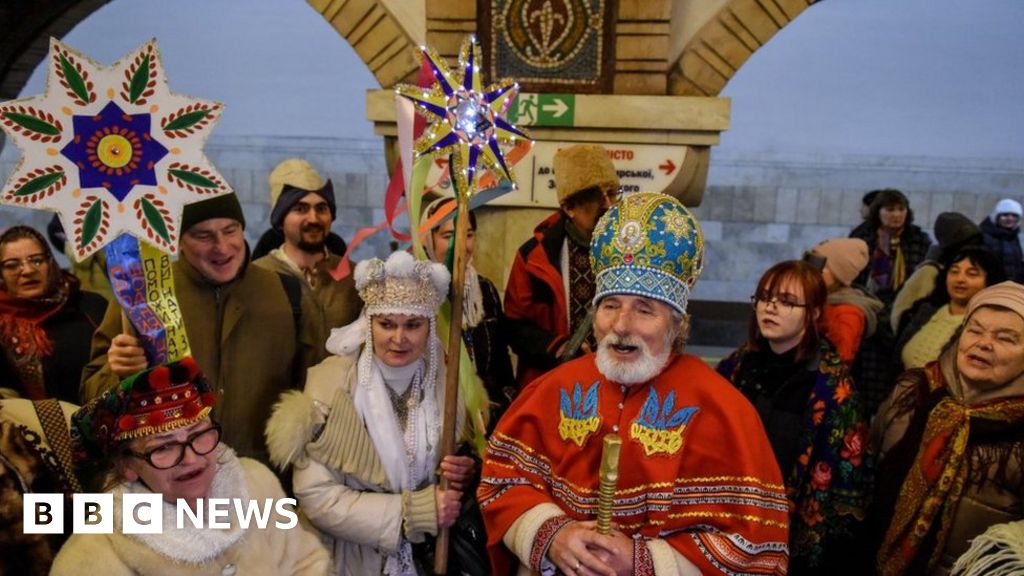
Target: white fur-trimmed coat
(256, 552)
(338, 476)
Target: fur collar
(189, 544)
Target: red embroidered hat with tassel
(154, 401)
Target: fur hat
(402, 285)
(953, 229)
(647, 244)
(156, 400)
(291, 181)
(223, 206)
(583, 166)
(1006, 206)
(845, 258)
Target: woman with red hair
(811, 412)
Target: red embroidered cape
(696, 468)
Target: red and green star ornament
(111, 149)
(465, 120)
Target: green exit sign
(543, 110)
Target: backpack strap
(293, 289)
(55, 428)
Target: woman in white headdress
(363, 436)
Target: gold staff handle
(609, 478)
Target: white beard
(636, 371)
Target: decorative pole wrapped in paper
(467, 124)
(117, 155)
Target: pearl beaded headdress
(402, 285)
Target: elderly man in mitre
(698, 490)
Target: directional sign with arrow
(544, 110)
(556, 109)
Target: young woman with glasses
(46, 321)
(810, 410)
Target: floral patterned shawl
(829, 485)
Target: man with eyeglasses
(303, 212)
(253, 332)
(551, 285)
(153, 434)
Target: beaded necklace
(405, 406)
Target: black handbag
(467, 539)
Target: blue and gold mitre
(647, 244)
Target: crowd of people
(872, 422)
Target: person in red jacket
(550, 286)
(850, 314)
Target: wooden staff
(451, 385)
(609, 479)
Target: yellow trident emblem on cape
(579, 416)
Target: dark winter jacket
(70, 330)
(814, 419)
(488, 344)
(914, 243)
(1005, 244)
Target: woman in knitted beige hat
(850, 314)
(949, 444)
(853, 320)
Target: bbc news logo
(144, 513)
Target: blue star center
(114, 150)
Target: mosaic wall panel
(549, 45)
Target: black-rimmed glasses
(170, 454)
(783, 305)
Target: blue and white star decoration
(111, 149)
(465, 121)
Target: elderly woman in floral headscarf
(951, 452)
(152, 434)
(46, 321)
(363, 436)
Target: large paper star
(112, 150)
(466, 121)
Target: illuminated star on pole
(466, 121)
